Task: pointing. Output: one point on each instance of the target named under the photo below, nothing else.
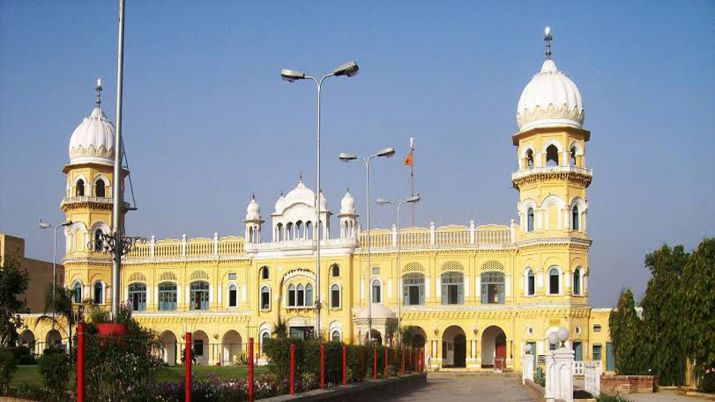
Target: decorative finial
(253, 196)
(98, 88)
(301, 177)
(348, 190)
(548, 38)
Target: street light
(384, 201)
(348, 69)
(45, 225)
(347, 157)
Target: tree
(59, 309)
(13, 283)
(699, 307)
(626, 333)
(664, 333)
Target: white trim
(555, 143)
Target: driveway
(453, 387)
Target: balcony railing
(551, 169)
(492, 236)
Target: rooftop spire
(98, 88)
(548, 38)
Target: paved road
(454, 387)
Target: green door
(578, 351)
(610, 359)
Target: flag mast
(410, 162)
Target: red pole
(345, 365)
(403, 361)
(374, 363)
(386, 372)
(322, 366)
(80, 362)
(292, 368)
(250, 369)
(187, 368)
(409, 363)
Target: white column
(478, 287)
(466, 286)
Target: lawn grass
(31, 374)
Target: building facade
(477, 294)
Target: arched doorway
(454, 347)
(376, 337)
(168, 350)
(201, 348)
(231, 347)
(53, 340)
(494, 348)
(27, 339)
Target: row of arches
(98, 292)
(228, 351)
(552, 154)
(554, 281)
(99, 188)
(298, 230)
(553, 213)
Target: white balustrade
(592, 377)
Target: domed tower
(552, 176)
(348, 217)
(88, 202)
(253, 221)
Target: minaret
(88, 201)
(348, 217)
(253, 221)
(552, 177)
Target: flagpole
(412, 178)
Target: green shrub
(8, 365)
(612, 398)
(707, 383)
(54, 368)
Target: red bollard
(386, 371)
(187, 368)
(345, 365)
(403, 361)
(374, 363)
(322, 366)
(80, 362)
(250, 369)
(292, 368)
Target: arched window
(335, 296)
(492, 288)
(99, 188)
(376, 291)
(529, 159)
(335, 270)
(573, 156)
(577, 281)
(530, 220)
(167, 296)
(299, 230)
(335, 336)
(137, 296)
(554, 281)
(300, 295)
(77, 292)
(98, 243)
(265, 272)
(265, 298)
(552, 155)
(98, 296)
(413, 289)
(79, 188)
(199, 295)
(309, 230)
(309, 295)
(452, 288)
(265, 336)
(575, 219)
(530, 288)
(279, 232)
(291, 296)
(289, 231)
(232, 295)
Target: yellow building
(478, 294)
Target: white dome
(253, 211)
(347, 204)
(299, 195)
(550, 99)
(93, 140)
(280, 203)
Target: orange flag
(410, 158)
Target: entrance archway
(232, 347)
(201, 348)
(494, 348)
(168, 349)
(454, 347)
(27, 339)
(53, 340)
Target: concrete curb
(368, 390)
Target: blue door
(610, 359)
(578, 351)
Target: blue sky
(208, 122)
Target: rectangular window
(199, 347)
(597, 353)
(531, 285)
(413, 297)
(232, 297)
(335, 298)
(578, 351)
(265, 300)
(291, 297)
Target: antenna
(548, 38)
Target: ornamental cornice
(436, 251)
(79, 262)
(582, 177)
(185, 259)
(554, 242)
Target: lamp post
(384, 201)
(346, 157)
(45, 225)
(348, 69)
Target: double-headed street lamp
(348, 69)
(45, 225)
(384, 201)
(345, 157)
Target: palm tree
(59, 308)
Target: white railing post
(431, 234)
(151, 247)
(472, 229)
(512, 231)
(183, 245)
(394, 235)
(216, 243)
(527, 368)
